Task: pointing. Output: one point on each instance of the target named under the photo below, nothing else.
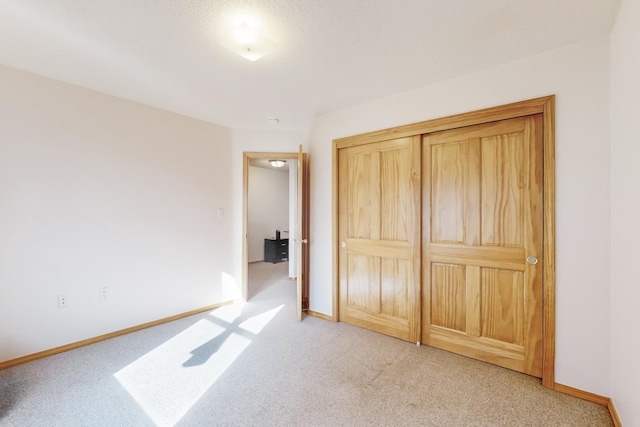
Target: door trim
(546, 107)
(246, 156)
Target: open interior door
(302, 235)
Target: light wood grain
(335, 234)
(302, 235)
(361, 220)
(426, 319)
(490, 174)
(344, 224)
(473, 191)
(359, 269)
(322, 316)
(482, 348)
(493, 114)
(581, 394)
(299, 230)
(472, 301)
(395, 196)
(591, 397)
(502, 305)
(385, 248)
(42, 354)
(549, 243)
(270, 155)
(614, 414)
(502, 190)
(306, 230)
(384, 324)
(379, 234)
(509, 258)
(546, 180)
(394, 290)
(533, 232)
(448, 169)
(448, 295)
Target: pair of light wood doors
(440, 233)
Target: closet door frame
(544, 106)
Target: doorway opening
(274, 221)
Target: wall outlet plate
(63, 301)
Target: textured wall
(99, 192)
(625, 211)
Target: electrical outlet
(63, 301)
(103, 294)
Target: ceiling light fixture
(248, 42)
(277, 163)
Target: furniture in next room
(276, 250)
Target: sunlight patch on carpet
(255, 324)
(229, 314)
(170, 379)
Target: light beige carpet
(254, 365)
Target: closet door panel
(379, 233)
(482, 209)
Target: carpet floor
(253, 364)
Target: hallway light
(277, 163)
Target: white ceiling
(330, 54)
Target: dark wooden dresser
(276, 250)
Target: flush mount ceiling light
(277, 163)
(248, 42)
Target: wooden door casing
(482, 218)
(379, 231)
(303, 219)
(302, 235)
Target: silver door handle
(343, 244)
(532, 260)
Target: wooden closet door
(379, 235)
(482, 239)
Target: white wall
(96, 191)
(625, 213)
(268, 210)
(579, 76)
